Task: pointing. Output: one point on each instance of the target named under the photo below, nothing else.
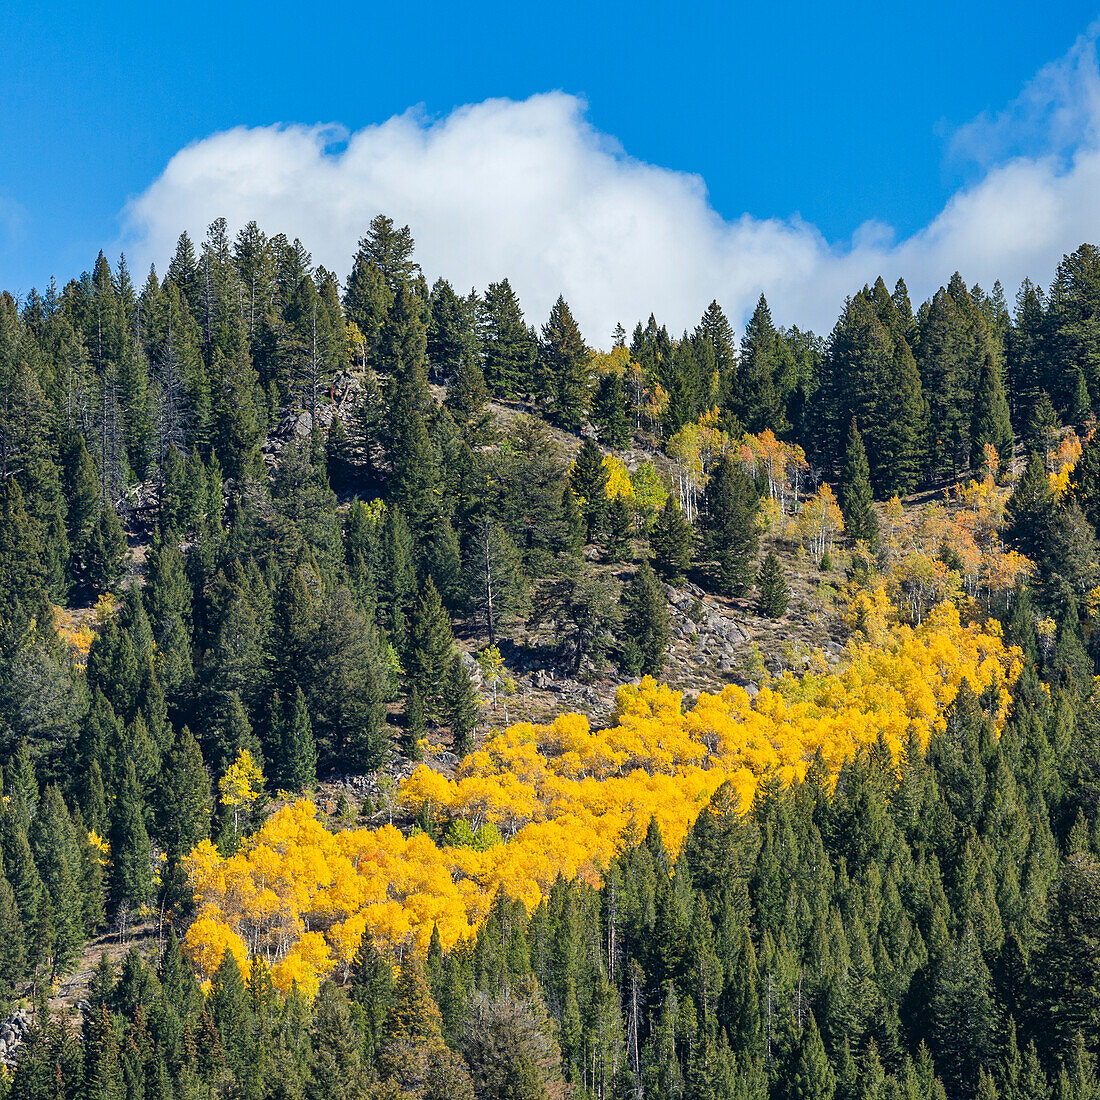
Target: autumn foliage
(565, 796)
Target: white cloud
(532, 191)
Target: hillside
(407, 699)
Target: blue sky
(839, 114)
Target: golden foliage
(566, 796)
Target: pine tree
(297, 752)
(589, 482)
(564, 368)
(620, 524)
(854, 491)
(416, 723)
(431, 646)
(336, 1071)
(508, 349)
(671, 541)
(1042, 429)
(131, 880)
(990, 423)
(645, 623)
(731, 533)
(106, 551)
(609, 412)
(758, 405)
(183, 804)
(810, 1076)
(13, 956)
(774, 594)
(495, 585)
(460, 704)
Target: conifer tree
(183, 804)
(460, 704)
(416, 723)
(609, 412)
(758, 405)
(854, 491)
(508, 348)
(620, 523)
(336, 1071)
(1041, 430)
(589, 482)
(431, 646)
(671, 541)
(106, 550)
(645, 623)
(990, 422)
(564, 368)
(731, 533)
(131, 880)
(297, 752)
(494, 581)
(774, 594)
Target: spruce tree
(1041, 431)
(620, 524)
(508, 348)
(183, 803)
(645, 623)
(297, 752)
(131, 880)
(416, 723)
(460, 703)
(854, 491)
(589, 482)
(671, 541)
(990, 423)
(564, 368)
(731, 532)
(774, 594)
(106, 551)
(431, 646)
(609, 412)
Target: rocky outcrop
(13, 1030)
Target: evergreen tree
(460, 704)
(431, 647)
(564, 368)
(495, 587)
(589, 482)
(774, 594)
(508, 349)
(131, 879)
(106, 551)
(990, 423)
(296, 761)
(854, 491)
(645, 623)
(671, 541)
(183, 809)
(731, 533)
(609, 412)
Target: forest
(282, 559)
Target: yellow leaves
(105, 606)
(79, 636)
(242, 782)
(567, 795)
(303, 965)
(1064, 460)
(820, 521)
(869, 613)
(207, 941)
(101, 846)
(618, 479)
